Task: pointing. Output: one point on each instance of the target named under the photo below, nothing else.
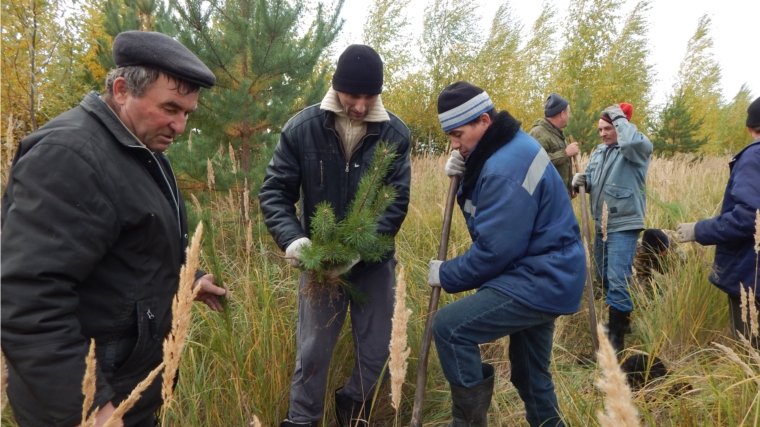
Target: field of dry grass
(237, 365)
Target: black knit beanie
(753, 114)
(359, 71)
(555, 104)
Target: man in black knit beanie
(322, 153)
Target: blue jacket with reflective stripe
(525, 239)
(732, 232)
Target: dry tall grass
(3, 382)
(238, 365)
(115, 419)
(399, 351)
(757, 232)
(88, 387)
(618, 399)
(181, 315)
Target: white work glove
(434, 277)
(579, 180)
(455, 164)
(614, 112)
(293, 251)
(685, 232)
(340, 270)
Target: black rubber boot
(470, 405)
(620, 324)
(351, 413)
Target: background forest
(274, 57)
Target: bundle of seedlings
(337, 244)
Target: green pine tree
(584, 119)
(338, 243)
(129, 15)
(266, 57)
(676, 129)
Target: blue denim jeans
(614, 266)
(485, 316)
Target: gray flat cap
(163, 52)
(555, 104)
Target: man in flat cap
(526, 261)
(615, 177)
(94, 234)
(734, 233)
(548, 132)
(322, 153)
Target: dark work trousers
(148, 422)
(739, 325)
(320, 319)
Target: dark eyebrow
(176, 106)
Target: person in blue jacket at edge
(526, 260)
(733, 231)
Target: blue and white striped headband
(466, 112)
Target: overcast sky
(735, 31)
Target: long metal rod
(589, 271)
(427, 335)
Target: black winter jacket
(93, 237)
(309, 157)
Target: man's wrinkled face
(356, 106)
(466, 137)
(159, 115)
(607, 132)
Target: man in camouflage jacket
(548, 132)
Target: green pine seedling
(337, 243)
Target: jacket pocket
(620, 200)
(146, 342)
(315, 166)
(591, 168)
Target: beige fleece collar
(375, 114)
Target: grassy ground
(238, 365)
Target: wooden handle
(427, 335)
(586, 228)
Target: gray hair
(139, 79)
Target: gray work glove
(293, 251)
(614, 112)
(434, 277)
(343, 269)
(685, 232)
(455, 164)
(579, 180)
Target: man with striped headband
(526, 260)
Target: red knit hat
(627, 110)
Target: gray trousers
(320, 319)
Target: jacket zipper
(340, 144)
(321, 174)
(152, 325)
(166, 180)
